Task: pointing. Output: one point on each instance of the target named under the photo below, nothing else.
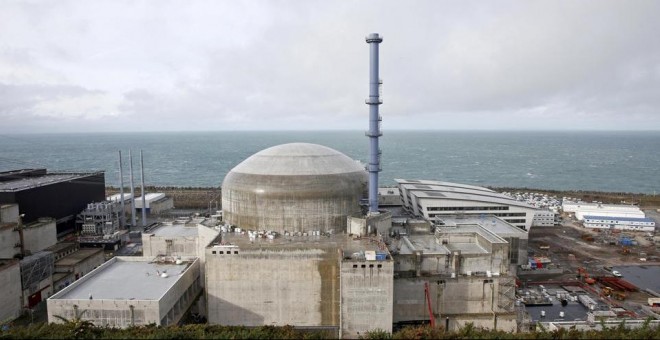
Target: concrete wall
(119, 313)
(487, 302)
(206, 235)
(40, 235)
(255, 287)
(113, 313)
(8, 213)
(365, 225)
(10, 299)
(157, 245)
(366, 297)
(8, 240)
(171, 304)
(78, 268)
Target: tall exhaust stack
(144, 198)
(122, 217)
(130, 169)
(374, 121)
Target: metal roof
(298, 159)
(33, 182)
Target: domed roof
(298, 159)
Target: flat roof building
(434, 199)
(58, 195)
(127, 291)
(581, 209)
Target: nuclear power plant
(298, 243)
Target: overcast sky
(76, 66)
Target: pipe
(122, 218)
(130, 169)
(144, 205)
(374, 121)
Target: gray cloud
(112, 65)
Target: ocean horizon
(616, 161)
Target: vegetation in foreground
(78, 329)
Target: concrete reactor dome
(293, 187)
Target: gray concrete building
(10, 299)
(307, 281)
(127, 291)
(75, 265)
(34, 236)
(464, 269)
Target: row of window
(466, 208)
(370, 266)
(222, 252)
(511, 214)
(517, 221)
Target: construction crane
(427, 294)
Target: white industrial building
(580, 209)
(434, 199)
(619, 223)
(130, 291)
(155, 203)
(544, 218)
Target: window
(221, 252)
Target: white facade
(620, 223)
(148, 199)
(127, 291)
(544, 218)
(434, 199)
(581, 209)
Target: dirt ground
(568, 248)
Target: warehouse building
(57, 195)
(130, 291)
(155, 203)
(581, 209)
(434, 199)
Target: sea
(614, 161)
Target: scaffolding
(99, 219)
(36, 268)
